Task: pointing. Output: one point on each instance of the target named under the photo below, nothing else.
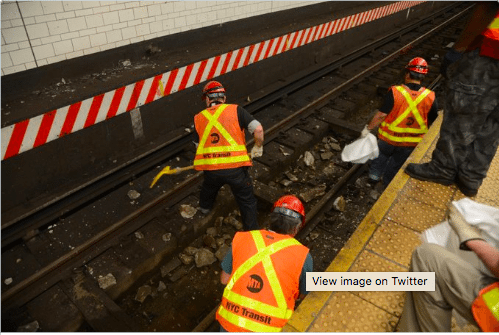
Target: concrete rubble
(187, 211)
(204, 257)
(142, 293)
(186, 259)
(308, 158)
(132, 194)
(339, 204)
(106, 281)
(230, 220)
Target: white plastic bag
(362, 150)
(485, 217)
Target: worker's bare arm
(224, 277)
(258, 135)
(487, 253)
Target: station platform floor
(384, 242)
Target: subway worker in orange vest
(469, 134)
(459, 284)
(221, 152)
(407, 112)
(265, 272)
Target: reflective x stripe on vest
(411, 108)
(232, 147)
(485, 308)
(281, 311)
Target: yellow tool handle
(177, 170)
(166, 170)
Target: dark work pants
(389, 161)
(241, 186)
(469, 134)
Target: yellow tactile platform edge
(315, 302)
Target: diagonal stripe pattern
(31, 133)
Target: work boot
(427, 172)
(467, 191)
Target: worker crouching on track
(221, 152)
(405, 116)
(265, 272)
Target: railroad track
(331, 103)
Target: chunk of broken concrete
(142, 293)
(204, 257)
(132, 194)
(186, 259)
(233, 222)
(187, 211)
(190, 250)
(106, 281)
(161, 286)
(308, 158)
(339, 204)
(210, 241)
(211, 231)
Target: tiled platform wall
(37, 33)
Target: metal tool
(167, 170)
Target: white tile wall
(53, 31)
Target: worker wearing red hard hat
(221, 152)
(265, 272)
(403, 119)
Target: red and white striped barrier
(31, 133)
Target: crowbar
(167, 170)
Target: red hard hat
(417, 65)
(291, 206)
(213, 88)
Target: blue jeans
(390, 160)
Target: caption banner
(370, 281)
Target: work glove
(463, 229)
(256, 151)
(365, 132)
(450, 57)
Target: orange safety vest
(222, 143)
(264, 284)
(490, 44)
(485, 308)
(407, 122)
